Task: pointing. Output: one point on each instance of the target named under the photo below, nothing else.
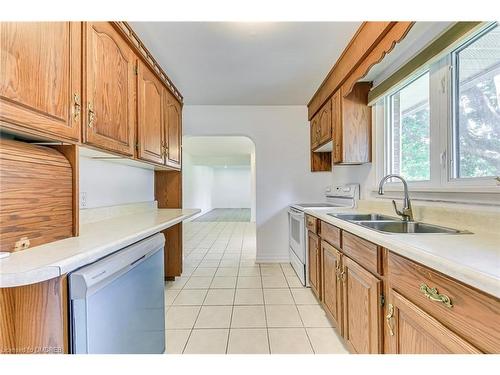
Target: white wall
(253, 193)
(232, 187)
(283, 176)
(109, 183)
(197, 183)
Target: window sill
(451, 189)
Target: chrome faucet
(406, 213)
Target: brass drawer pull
(388, 318)
(433, 295)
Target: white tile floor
(226, 303)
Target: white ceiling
(246, 63)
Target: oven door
(296, 227)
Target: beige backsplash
(91, 215)
(476, 219)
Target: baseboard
(272, 259)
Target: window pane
(477, 125)
(410, 132)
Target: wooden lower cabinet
(362, 311)
(314, 263)
(34, 318)
(331, 261)
(412, 331)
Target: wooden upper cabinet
(337, 127)
(321, 126)
(314, 132)
(331, 263)
(325, 123)
(40, 78)
(410, 330)
(110, 67)
(173, 130)
(361, 308)
(150, 102)
(356, 130)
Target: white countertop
(473, 259)
(96, 240)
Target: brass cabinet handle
(388, 318)
(433, 295)
(77, 106)
(341, 276)
(164, 149)
(92, 115)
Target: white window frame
(442, 117)
(451, 180)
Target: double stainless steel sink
(389, 224)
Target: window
(442, 125)
(476, 133)
(409, 130)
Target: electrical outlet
(83, 199)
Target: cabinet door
(315, 132)
(110, 89)
(410, 330)
(314, 263)
(325, 123)
(337, 126)
(173, 130)
(356, 125)
(149, 116)
(362, 310)
(331, 260)
(40, 72)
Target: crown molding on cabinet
(126, 30)
(358, 53)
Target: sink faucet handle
(396, 208)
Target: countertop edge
(47, 272)
(482, 281)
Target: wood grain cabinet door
(325, 123)
(331, 260)
(356, 125)
(337, 126)
(40, 77)
(110, 89)
(410, 330)
(173, 130)
(361, 308)
(315, 132)
(314, 262)
(151, 144)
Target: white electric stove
(340, 196)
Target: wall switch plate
(83, 199)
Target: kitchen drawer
(471, 314)
(362, 251)
(312, 223)
(331, 234)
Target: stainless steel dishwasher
(117, 303)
